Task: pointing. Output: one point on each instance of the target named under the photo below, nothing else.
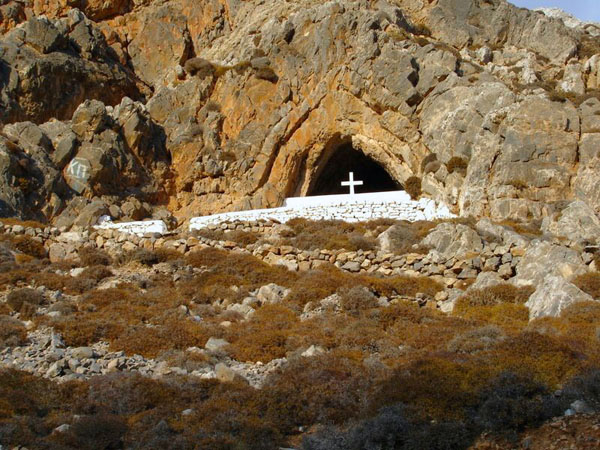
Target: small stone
(62, 428)
(441, 296)
(187, 412)
(226, 374)
(313, 351)
(82, 353)
(215, 345)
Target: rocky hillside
(183, 107)
(382, 335)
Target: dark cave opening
(346, 159)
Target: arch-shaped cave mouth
(347, 159)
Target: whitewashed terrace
(349, 208)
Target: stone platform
(350, 208)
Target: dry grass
(329, 234)
(457, 164)
(413, 187)
(12, 332)
(589, 283)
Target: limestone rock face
(578, 222)
(552, 296)
(206, 106)
(453, 241)
(50, 67)
(543, 258)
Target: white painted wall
(138, 228)
(349, 208)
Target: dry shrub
(321, 389)
(476, 340)
(149, 257)
(10, 221)
(266, 73)
(589, 283)
(356, 299)
(546, 359)
(250, 269)
(96, 273)
(94, 257)
(493, 295)
(457, 164)
(431, 157)
(94, 432)
(17, 298)
(243, 238)
(413, 187)
(434, 387)
(317, 284)
(144, 323)
(502, 305)
(12, 332)
(328, 234)
(531, 228)
(25, 244)
(264, 336)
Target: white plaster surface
(350, 208)
(138, 228)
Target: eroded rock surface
(493, 107)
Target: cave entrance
(344, 159)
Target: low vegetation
(386, 371)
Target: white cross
(352, 183)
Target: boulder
(453, 240)
(544, 258)
(42, 35)
(486, 279)
(491, 231)
(215, 344)
(272, 293)
(578, 222)
(552, 296)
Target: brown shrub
(356, 299)
(476, 340)
(494, 295)
(546, 359)
(264, 336)
(24, 244)
(96, 273)
(328, 234)
(432, 167)
(413, 187)
(431, 157)
(320, 389)
(589, 283)
(501, 305)
(149, 257)
(457, 164)
(18, 297)
(12, 332)
(199, 67)
(266, 73)
(94, 257)
(433, 387)
(10, 221)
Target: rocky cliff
(189, 107)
